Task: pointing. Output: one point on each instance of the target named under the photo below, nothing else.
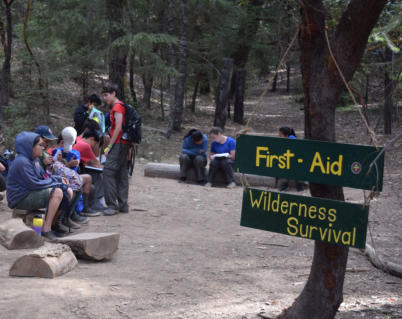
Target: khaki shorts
(35, 200)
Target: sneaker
(58, 227)
(79, 219)
(69, 223)
(231, 185)
(49, 236)
(90, 213)
(109, 211)
(124, 210)
(208, 184)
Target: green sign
(307, 160)
(314, 218)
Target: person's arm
(118, 117)
(204, 146)
(2, 168)
(232, 155)
(232, 152)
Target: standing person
(115, 170)
(283, 184)
(89, 111)
(222, 156)
(194, 154)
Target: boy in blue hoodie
(194, 154)
(27, 189)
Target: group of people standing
(68, 179)
(221, 156)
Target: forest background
(167, 54)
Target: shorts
(35, 200)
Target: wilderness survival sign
(314, 218)
(307, 160)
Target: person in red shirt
(86, 146)
(115, 171)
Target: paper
(100, 169)
(221, 155)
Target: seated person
(194, 154)
(222, 156)
(27, 188)
(73, 157)
(46, 133)
(86, 146)
(2, 180)
(282, 183)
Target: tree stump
(92, 246)
(49, 261)
(14, 234)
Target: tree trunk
(366, 94)
(84, 79)
(222, 93)
(194, 98)
(177, 115)
(388, 93)
(273, 89)
(131, 81)
(322, 86)
(6, 71)
(172, 65)
(147, 80)
(240, 85)
(117, 54)
(288, 77)
(162, 102)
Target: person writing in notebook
(222, 156)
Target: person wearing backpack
(115, 170)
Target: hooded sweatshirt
(25, 174)
(191, 148)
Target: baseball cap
(69, 135)
(45, 132)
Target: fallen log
(92, 246)
(49, 261)
(14, 234)
(172, 171)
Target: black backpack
(132, 125)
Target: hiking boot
(60, 230)
(124, 210)
(109, 211)
(202, 183)
(69, 223)
(49, 236)
(89, 212)
(78, 218)
(231, 185)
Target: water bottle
(37, 224)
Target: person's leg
(185, 163)
(213, 168)
(54, 203)
(86, 189)
(110, 173)
(226, 166)
(199, 164)
(2, 183)
(122, 182)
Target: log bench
(172, 171)
(14, 234)
(49, 261)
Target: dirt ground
(183, 254)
